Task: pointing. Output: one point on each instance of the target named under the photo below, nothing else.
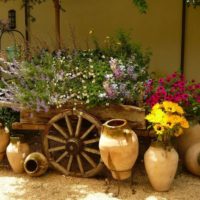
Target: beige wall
(192, 48)
(159, 29)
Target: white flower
(114, 86)
(108, 76)
(107, 104)
(91, 66)
(122, 67)
(102, 95)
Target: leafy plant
(141, 4)
(8, 116)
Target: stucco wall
(192, 49)
(159, 29)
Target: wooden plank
(10, 105)
(134, 115)
(25, 126)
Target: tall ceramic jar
(35, 164)
(161, 165)
(16, 153)
(4, 140)
(118, 147)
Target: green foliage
(141, 4)
(8, 116)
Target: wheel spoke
(91, 141)
(62, 156)
(60, 130)
(78, 127)
(57, 148)
(88, 131)
(90, 150)
(57, 139)
(69, 126)
(69, 162)
(92, 163)
(80, 164)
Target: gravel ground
(53, 186)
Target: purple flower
(110, 90)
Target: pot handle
(127, 131)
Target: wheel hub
(73, 146)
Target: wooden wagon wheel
(71, 143)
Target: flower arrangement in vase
(161, 159)
(176, 88)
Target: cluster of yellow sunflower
(167, 117)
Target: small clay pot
(35, 164)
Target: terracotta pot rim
(124, 123)
(36, 169)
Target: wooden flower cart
(70, 136)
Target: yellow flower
(159, 129)
(170, 121)
(156, 116)
(169, 106)
(184, 123)
(156, 106)
(179, 109)
(178, 132)
(172, 107)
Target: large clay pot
(190, 136)
(161, 165)
(118, 147)
(35, 164)
(16, 153)
(4, 140)
(192, 159)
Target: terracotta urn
(4, 140)
(192, 159)
(16, 153)
(190, 136)
(118, 148)
(35, 164)
(161, 165)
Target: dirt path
(53, 186)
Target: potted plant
(161, 159)
(176, 88)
